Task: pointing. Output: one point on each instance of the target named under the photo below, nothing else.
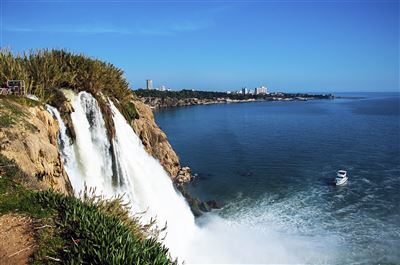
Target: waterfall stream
(211, 239)
(141, 177)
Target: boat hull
(341, 181)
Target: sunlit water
(271, 164)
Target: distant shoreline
(170, 99)
(163, 103)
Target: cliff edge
(156, 143)
(28, 135)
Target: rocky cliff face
(28, 135)
(156, 144)
(154, 139)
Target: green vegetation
(128, 109)
(183, 94)
(22, 101)
(13, 196)
(211, 95)
(6, 121)
(10, 111)
(45, 72)
(90, 230)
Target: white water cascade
(149, 188)
(140, 176)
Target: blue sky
(327, 46)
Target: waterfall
(211, 239)
(149, 187)
(67, 151)
(92, 148)
(140, 177)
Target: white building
(149, 84)
(260, 90)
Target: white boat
(341, 177)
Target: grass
(24, 101)
(12, 111)
(89, 230)
(6, 121)
(11, 105)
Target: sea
(270, 166)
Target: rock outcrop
(28, 135)
(156, 144)
(154, 139)
(184, 176)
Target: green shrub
(128, 110)
(89, 230)
(43, 70)
(100, 237)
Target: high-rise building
(149, 84)
(260, 90)
(245, 91)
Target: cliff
(156, 143)
(28, 135)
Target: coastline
(170, 102)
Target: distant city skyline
(295, 46)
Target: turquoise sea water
(270, 164)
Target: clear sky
(324, 46)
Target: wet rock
(184, 176)
(197, 206)
(213, 204)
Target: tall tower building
(149, 84)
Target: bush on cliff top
(89, 230)
(43, 70)
(46, 71)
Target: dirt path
(16, 239)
